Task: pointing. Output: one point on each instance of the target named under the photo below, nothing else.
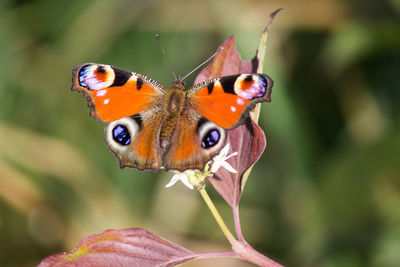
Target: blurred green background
(326, 191)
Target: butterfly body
(149, 126)
(174, 104)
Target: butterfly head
(178, 84)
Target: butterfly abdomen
(167, 130)
(175, 99)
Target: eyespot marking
(82, 74)
(210, 134)
(101, 69)
(249, 78)
(121, 135)
(90, 77)
(251, 86)
(211, 138)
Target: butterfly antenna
(165, 54)
(216, 53)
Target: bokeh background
(326, 191)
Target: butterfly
(149, 126)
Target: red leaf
(249, 140)
(127, 247)
(227, 62)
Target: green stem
(217, 217)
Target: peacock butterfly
(149, 126)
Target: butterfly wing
(131, 105)
(195, 141)
(226, 101)
(113, 93)
(135, 140)
(212, 107)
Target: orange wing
(114, 93)
(227, 101)
(195, 142)
(135, 140)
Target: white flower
(181, 176)
(220, 160)
(195, 178)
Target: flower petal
(228, 166)
(173, 180)
(216, 165)
(231, 155)
(186, 182)
(181, 176)
(224, 151)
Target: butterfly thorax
(174, 103)
(174, 98)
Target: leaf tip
(273, 14)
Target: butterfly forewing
(226, 101)
(114, 93)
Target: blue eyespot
(263, 86)
(210, 139)
(82, 76)
(121, 135)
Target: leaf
(227, 62)
(259, 58)
(247, 139)
(128, 247)
(262, 44)
(258, 61)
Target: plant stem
(238, 228)
(229, 254)
(246, 252)
(241, 248)
(217, 217)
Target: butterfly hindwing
(226, 101)
(114, 93)
(195, 141)
(135, 140)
